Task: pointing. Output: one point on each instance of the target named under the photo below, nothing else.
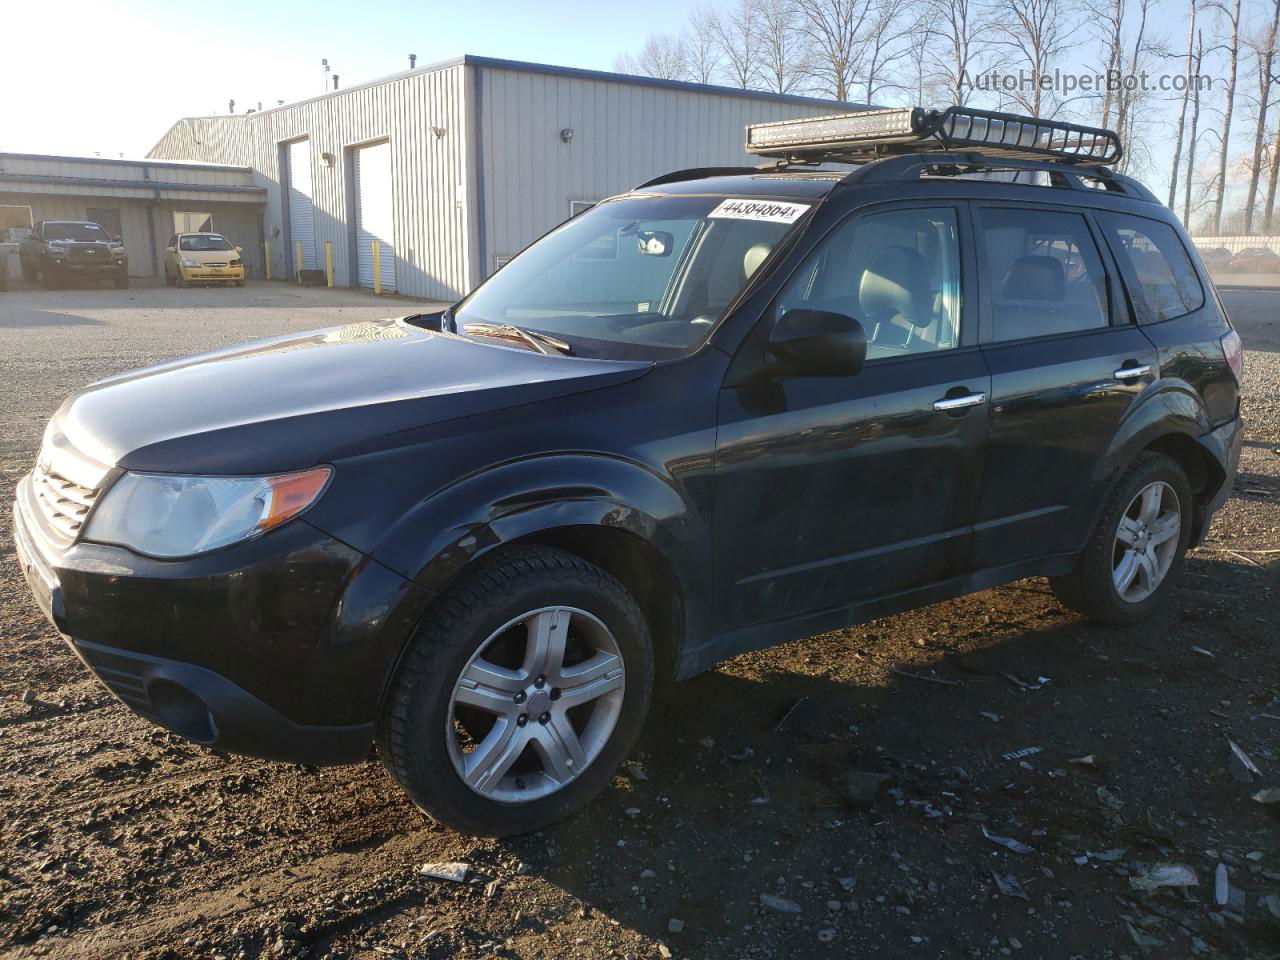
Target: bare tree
(702, 46)
(1035, 35)
(663, 55)
(781, 46)
(1191, 141)
(835, 31)
(958, 25)
(1182, 110)
(1264, 52)
(1274, 165)
(1129, 95)
(1107, 22)
(1232, 14)
(886, 43)
(737, 34)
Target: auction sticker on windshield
(773, 211)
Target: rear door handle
(959, 403)
(1132, 373)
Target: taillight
(1233, 350)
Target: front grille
(214, 264)
(63, 503)
(95, 253)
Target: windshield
(205, 241)
(82, 232)
(640, 277)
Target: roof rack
(870, 134)
(1073, 176)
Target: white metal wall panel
(623, 134)
(375, 219)
(476, 178)
(301, 205)
(423, 115)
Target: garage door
(374, 219)
(301, 206)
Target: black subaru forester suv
(727, 409)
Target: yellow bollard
(266, 253)
(297, 259)
(328, 263)
(377, 268)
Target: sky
(110, 77)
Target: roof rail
(868, 134)
(914, 165)
(697, 173)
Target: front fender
(437, 539)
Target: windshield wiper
(509, 331)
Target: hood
(289, 402)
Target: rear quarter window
(1154, 259)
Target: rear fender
(1170, 416)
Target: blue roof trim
(579, 73)
(132, 162)
(154, 187)
(685, 86)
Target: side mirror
(818, 343)
(239, 249)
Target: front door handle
(1132, 373)
(959, 403)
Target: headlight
(118, 253)
(56, 251)
(237, 262)
(164, 515)
(190, 263)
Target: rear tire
(1144, 556)
(518, 748)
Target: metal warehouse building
(143, 201)
(455, 167)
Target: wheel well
(1204, 475)
(639, 567)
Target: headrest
(1035, 278)
(896, 284)
(754, 257)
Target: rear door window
(1156, 264)
(1044, 272)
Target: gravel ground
(824, 799)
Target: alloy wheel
(535, 704)
(1146, 541)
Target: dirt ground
(749, 824)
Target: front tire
(1136, 549)
(519, 695)
(122, 282)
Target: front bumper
(280, 647)
(204, 274)
(86, 268)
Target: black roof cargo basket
(870, 134)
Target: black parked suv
(727, 409)
(61, 251)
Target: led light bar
(866, 134)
